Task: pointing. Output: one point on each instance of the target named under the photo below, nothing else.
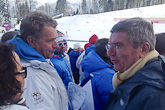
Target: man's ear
(31, 41)
(145, 48)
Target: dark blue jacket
(61, 65)
(144, 91)
(102, 80)
(73, 55)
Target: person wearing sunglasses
(59, 60)
(12, 76)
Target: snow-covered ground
(82, 27)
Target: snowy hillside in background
(82, 27)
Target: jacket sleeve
(64, 74)
(39, 93)
(104, 86)
(154, 101)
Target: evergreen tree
(103, 5)
(84, 7)
(61, 7)
(110, 5)
(32, 5)
(77, 12)
(22, 9)
(4, 10)
(95, 6)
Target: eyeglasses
(60, 44)
(23, 72)
(115, 46)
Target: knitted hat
(93, 39)
(86, 45)
(61, 36)
(76, 46)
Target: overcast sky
(71, 1)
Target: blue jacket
(61, 65)
(89, 49)
(24, 50)
(73, 55)
(144, 91)
(102, 80)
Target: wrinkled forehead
(49, 32)
(119, 37)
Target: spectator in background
(60, 62)
(78, 63)
(70, 49)
(35, 46)
(92, 41)
(74, 54)
(86, 46)
(12, 76)
(8, 35)
(160, 43)
(140, 81)
(98, 63)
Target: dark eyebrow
(117, 43)
(50, 39)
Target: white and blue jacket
(43, 87)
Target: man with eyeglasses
(35, 45)
(139, 83)
(59, 60)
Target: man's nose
(111, 51)
(55, 44)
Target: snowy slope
(82, 27)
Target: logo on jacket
(37, 98)
(56, 55)
(121, 102)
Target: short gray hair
(33, 24)
(138, 30)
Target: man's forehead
(61, 41)
(118, 37)
(49, 31)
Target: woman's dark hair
(9, 85)
(160, 40)
(8, 35)
(101, 50)
(100, 47)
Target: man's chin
(50, 56)
(116, 68)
